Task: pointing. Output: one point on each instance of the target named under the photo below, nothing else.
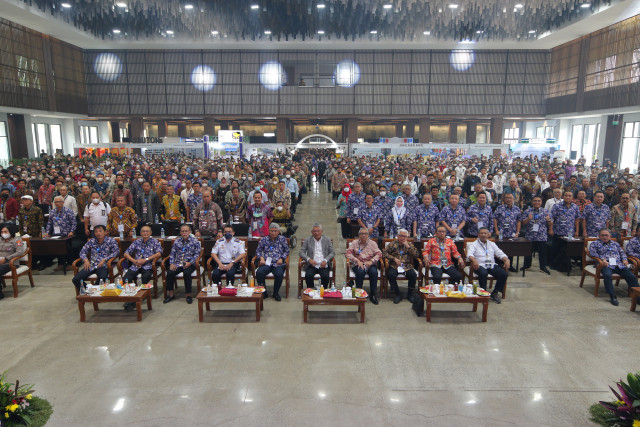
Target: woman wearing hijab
(342, 210)
(397, 218)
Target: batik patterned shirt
(140, 249)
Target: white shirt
(551, 203)
(184, 195)
(97, 214)
(317, 251)
(70, 202)
(228, 251)
(484, 253)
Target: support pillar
(224, 125)
(182, 130)
(399, 131)
(137, 128)
(497, 124)
(281, 130)
(453, 133)
(425, 130)
(210, 126)
(472, 129)
(163, 129)
(352, 131)
(410, 131)
(613, 139)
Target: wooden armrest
(209, 264)
(600, 263)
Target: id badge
(120, 228)
(56, 229)
(488, 265)
(612, 261)
(203, 224)
(480, 224)
(255, 225)
(355, 211)
(625, 225)
(400, 270)
(454, 226)
(144, 210)
(536, 228)
(268, 261)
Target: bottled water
(133, 232)
(156, 219)
(162, 232)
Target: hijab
(398, 213)
(346, 194)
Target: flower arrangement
(18, 406)
(625, 410)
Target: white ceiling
(19, 12)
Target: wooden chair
(242, 275)
(426, 270)
(77, 264)
(23, 268)
(471, 275)
(197, 273)
(302, 273)
(592, 266)
(384, 291)
(351, 276)
(635, 262)
(254, 268)
(154, 269)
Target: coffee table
(307, 301)
(137, 298)
(203, 298)
(475, 300)
(635, 294)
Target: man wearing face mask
(121, 190)
(8, 206)
(257, 187)
(147, 205)
(101, 186)
(228, 254)
(470, 181)
(34, 183)
(425, 217)
(292, 186)
(95, 213)
(281, 194)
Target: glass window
(609, 70)
(630, 140)
(576, 142)
(43, 137)
(56, 138)
(635, 66)
(511, 135)
(5, 150)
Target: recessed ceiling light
(121, 4)
(116, 31)
(214, 33)
(426, 33)
(518, 6)
(373, 32)
(320, 6)
(453, 6)
(170, 32)
(585, 5)
(188, 6)
(267, 32)
(479, 32)
(320, 32)
(387, 6)
(255, 7)
(532, 31)
(65, 5)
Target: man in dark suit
(317, 252)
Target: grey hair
(58, 198)
(363, 230)
(402, 230)
(274, 225)
(317, 225)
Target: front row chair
(242, 274)
(426, 272)
(197, 273)
(77, 265)
(302, 273)
(592, 266)
(254, 268)
(471, 275)
(23, 268)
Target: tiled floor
(545, 354)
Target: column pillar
(410, 132)
(163, 129)
(210, 126)
(453, 133)
(137, 128)
(425, 130)
(281, 130)
(613, 139)
(115, 131)
(352, 131)
(398, 131)
(224, 125)
(182, 130)
(472, 129)
(496, 130)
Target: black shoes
(614, 301)
(189, 299)
(373, 299)
(1, 295)
(129, 306)
(265, 293)
(513, 270)
(277, 297)
(495, 297)
(419, 309)
(169, 299)
(398, 298)
(545, 270)
(411, 296)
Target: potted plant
(19, 407)
(625, 410)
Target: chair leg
(582, 279)
(595, 293)
(299, 289)
(31, 279)
(15, 287)
(287, 285)
(504, 292)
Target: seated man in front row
(318, 253)
(439, 254)
(271, 255)
(95, 254)
(615, 262)
(141, 254)
(228, 254)
(401, 254)
(482, 255)
(364, 255)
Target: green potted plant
(625, 410)
(19, 407)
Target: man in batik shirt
(425, 217)
(595, 216)
(271, 257)
(479, 215)
(369, 216)
(537, 223)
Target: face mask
(6, 236)
(250, 179)
(244, 177)
(288, 176)
(377, 182)
(275, 182)
(279, 208)
(100, 179)
(383, 193)
(256, 188)
(120, 186)
(83, 184)
(443, 188)
(5, 196)
(68, 179)
(230, 176)
(33, 177)
(174, 177)
(346, 189)
(195, 175)
(140, 180)
(96, 201)
(228, 236)
(93, 176)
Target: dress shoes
(419, 309)
(495, 297)
(513, 270)
(277, 297)
(411, 296)
(398, 298)
(373, 299)
(545, 270)
(614, 301)
(189, 299)
(129, 306)
(169, 299)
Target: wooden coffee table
(137, 298)
(203, 298)
(635, 294)
(307, 301)
(475, 300)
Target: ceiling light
(214, 33)
(426, 33)
(65, 5)
(255, 7)
(320, 32)
(320, 6)
(585, 5)
(453, 6)
(188, 6)
(170, 32)
(373, 32)
(267, 32)
(532, 31)
(518, 6)
(479, 32)
(387, 6)
(116, 31)
(121, 4)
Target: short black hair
(101, 227)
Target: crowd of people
(93, 200)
